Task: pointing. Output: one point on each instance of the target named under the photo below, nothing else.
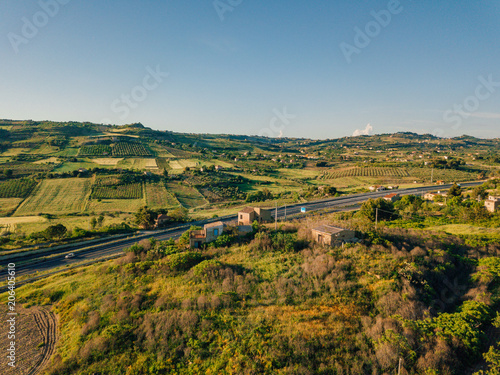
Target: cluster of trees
(320, 191)
(145, 217)
(451, 163)
(414, 209)
(60, 232)
(259, 196)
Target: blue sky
(275, 68)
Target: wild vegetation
(276, 303)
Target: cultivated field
(52, 160)
(70, 222)
(138, 163)
(446, 175)
(107, 161)
(128, 191)
(159, 197)
(57, 197)
(70, 166)
(184, 163)
(130, 149)
(10, 224)
(115, 205)
(14, 151)
(19, 188)
(95, 150)
(36, 337)
(8, 205)
(187, 196)
(365, 172)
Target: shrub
(206, 266)
(183, 261)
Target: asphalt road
(37, 263)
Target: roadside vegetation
(274, 302)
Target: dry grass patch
(318, 320)
(57, 197)
(107, 161)
(47, 161)
(8, 205)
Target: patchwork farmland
(187, 196)
(19, 188)
(365, 172)
(62, 196)
(157, 196)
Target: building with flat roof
(248, 215)
(492, 203)
(208, 234)
(333, 236)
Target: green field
(446, 175)
(19, 188)
(128, 191)
(180, 164)
(466, 229)
(187, 196)
(130, 149)
(70, 166)
(365, 172)
(95, 150)
(115, 205)
(157, 196)
(69, 222)
(61, 196)
(119, 149)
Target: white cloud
(366, 131)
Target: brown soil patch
(36, 337)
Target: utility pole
(399, 366)
(376, 217)
(276, 217)
(432, 175)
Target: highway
(31, 264)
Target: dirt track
(47, 324)
(36, 337)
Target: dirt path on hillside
(47, 324)
(35, 341)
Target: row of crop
(129, 191)
(95, 150)
(120, 149)
(107, 181)
(130, 149)
(19, 188)
(366, 172)
(447, 175)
